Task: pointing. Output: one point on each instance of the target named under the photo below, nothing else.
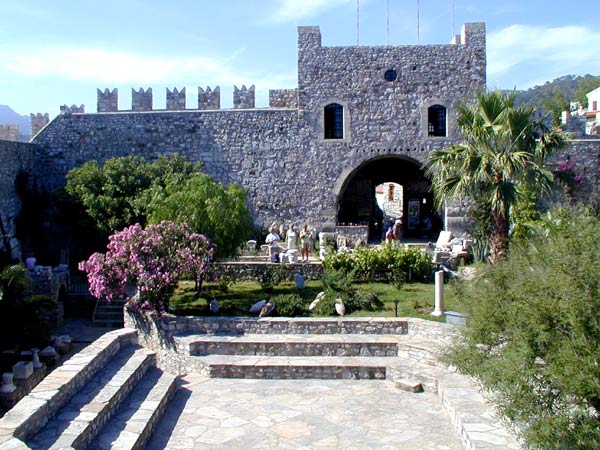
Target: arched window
(334, 121)
(436, 120)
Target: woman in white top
(291, 238)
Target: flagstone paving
(302, 414)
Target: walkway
(302, 414)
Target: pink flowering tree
(153, 259)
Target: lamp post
(396, 301)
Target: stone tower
(38, 121)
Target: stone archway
(356, 204)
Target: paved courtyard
(302, 414)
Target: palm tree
(502, 156)
(14, 280)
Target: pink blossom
(152, 259)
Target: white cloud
(294, 10)
(109, 66)
(530, 54)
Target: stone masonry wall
(280, 155)
(283, 98)
(14, 157)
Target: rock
(340, 308)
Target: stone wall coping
(33, 411)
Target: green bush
(382, 264)
(532, 332)
(289, 305)
(365, 301)
(270, 276)
(326, 307)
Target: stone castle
(359, 116)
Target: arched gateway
(384, 188)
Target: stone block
(23, 370)
(409, 385)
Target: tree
(153, 259)
(115, 194)
(533, 330)
(555, 105)
(584, 86)
(501, 157)
(221, 213)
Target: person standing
(305, 241)
(397, 232)
(291, 238)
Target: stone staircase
(108, 314)
(322, 349)
(110, 395)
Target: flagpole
(387, 18)
(452, 6)
(418, 29)
(357, 23)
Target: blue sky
(59, 52)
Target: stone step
(80, 420)
(292, 367)
(416, 348)
(292, 345)
(134, 422)
(406, 371)
(287, 325)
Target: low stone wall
(252, 270)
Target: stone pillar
(38, 121)
(243, 98)
(209, 98)
(108, 101)
(141, 100)
(439, 294)
(175, 99)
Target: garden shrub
(326, 307)
(533, 330)
(289, 305)
(270, 276)
(382, 264)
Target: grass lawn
(416, 299)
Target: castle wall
(14, 156)
(280, 155)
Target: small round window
(390, 75)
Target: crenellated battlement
(175, 99)
(209, 99)
(108, 101)
(141, 100)
(38, 121)
(244, 98)
(73, 109)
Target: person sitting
(267, 309)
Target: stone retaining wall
(251, 271)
